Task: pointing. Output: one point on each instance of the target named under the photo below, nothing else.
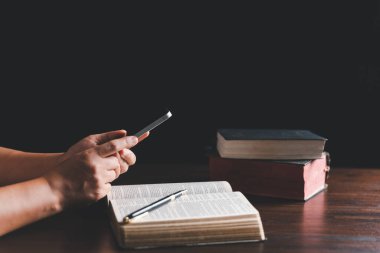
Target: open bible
(209, 213)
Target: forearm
(17, 166)
(26, 202)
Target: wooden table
(346, 218)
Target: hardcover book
(293, 179)
(284, 144)
(209, 213)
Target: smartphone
(154, 124)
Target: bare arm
(17, 166)
(83, 175)
(25, 202)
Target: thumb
(108, 136)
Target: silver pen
(144, 210)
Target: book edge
(323, 188)
(196, 244)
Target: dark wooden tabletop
(345, 218)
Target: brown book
(209, 213)
(295, 179)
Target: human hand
(124, 156)
(85, 176)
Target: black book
(269, 144)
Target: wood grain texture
(345, 218)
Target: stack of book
(278, 163)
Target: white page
(188, 207)
(162, 190)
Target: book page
(162, 190)
(192, 206)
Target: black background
(70, 71)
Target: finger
(111, 169)
(108, 136)
(109, 176)
(123, 164)
(111, 162)
(114, 146)
(124, 167)
(120, 164)
(128, 156)
(144, 136)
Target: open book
(209, 213)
